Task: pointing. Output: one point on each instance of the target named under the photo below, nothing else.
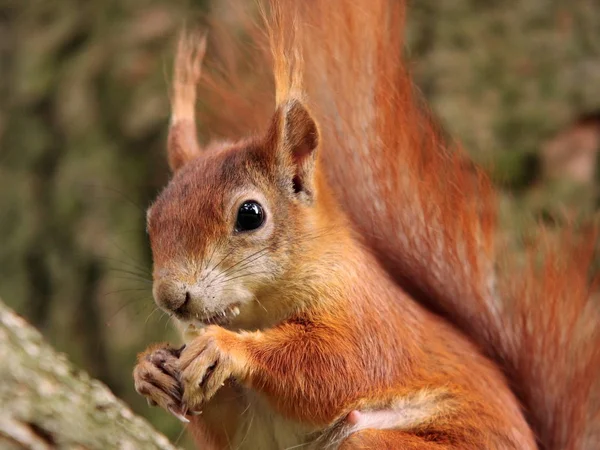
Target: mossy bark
(47, 403)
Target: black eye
(250, 216)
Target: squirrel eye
(250, 216)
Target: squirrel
(339, 274)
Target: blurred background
(83, 120)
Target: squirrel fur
(373, 308)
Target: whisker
(212, 254)
(150, 315)
(130, 264)
(133, 278)
(183, 430)
(260, 304)
(226, 271)
(222, 259)
(128, 303)
(299, 445)
(112, 269)
(307, 236)
(131, 270)
(131, 258)
(119, 291)
(247, 432)
(162, 316)
(127, 272)
(311, 235)
(169, 320)
(242, 276)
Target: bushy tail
(428, 215)
(550, 343)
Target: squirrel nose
(172, 297)
(181, 310)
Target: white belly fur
(263, 428)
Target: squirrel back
(428, 217)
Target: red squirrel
(342, 272)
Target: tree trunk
(47, 403)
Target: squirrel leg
(280, 363)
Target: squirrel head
(234, 219)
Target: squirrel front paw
(157, 378)
(207, 363)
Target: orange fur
(432, 224)
(331, 286)
(336, 334)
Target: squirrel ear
(182, 142)
(297, 138)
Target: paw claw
(177, 351)
(178, 414)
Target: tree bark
(47, 403)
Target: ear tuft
(182, 143)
